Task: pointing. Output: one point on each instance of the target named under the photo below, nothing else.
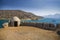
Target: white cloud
(43, 12)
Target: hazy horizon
(38, 7)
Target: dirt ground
(27, 33)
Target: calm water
(47, 20)
(1, 22)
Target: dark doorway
(15, 23)
(58, 32)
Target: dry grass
(27, 33)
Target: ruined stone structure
(14, 21)
(5, 25)
(58, 29)
(48, 26)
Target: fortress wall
(48, 26)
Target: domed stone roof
(15, 18)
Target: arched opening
(15, 23)
(58, 32)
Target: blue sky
(38, 7)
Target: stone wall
(48, 26)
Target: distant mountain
(21, 14)
(55, 16)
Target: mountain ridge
(19, 13)
(55, 16)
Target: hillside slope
(21, 14)
(27, 33)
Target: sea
(1, 22)
(45, 20)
